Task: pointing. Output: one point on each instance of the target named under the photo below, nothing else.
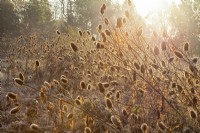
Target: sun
(145, 7)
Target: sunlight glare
(145, 7)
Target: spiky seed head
(21, 76)
(108, 33)
(74, 47)
(194, 60)
(155, 34)
(106, 21)
(136, 65)
(106, 85)
(119, 22)
(170, 59)
(165, 33)
(142, 69)
(115, 121)
(34, 127)
(163, 46)
(82, 85)
(129, 2)
(87, 130)
(37, 63)
(12, 95)
(80, 33)
(193, 113)
(77, 101)
(109, 103)
(124, 112)
(155, 66)
(101, 87)
(161, 126)
(18, 81)
(64, 80)
(144, 127)
(70, 116)
(14, 110)
(100, 27)
(127, 14)
(186, 47)
(156, 50)
(139, 31)
(187, 130)
(47, 84)
(178, 54)
(58, 32)
(117, 95)
(103, 36)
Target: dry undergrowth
(119, 82)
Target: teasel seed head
(186, 47)
(64, 80)
(101, 88)
(155, 34)
(108, 33)
(70, 116)
(193, 113)
(21, 76)
(119, 22)
(103, 36)
(78, 102)
(129, 2)
(170, 59)
(80, 33)
(144, 127)
(115, 121)
(136, 65)
(161, 126)
(82, 85)
(156, 50)
(34, 127)
(74, 47)
(187, 130)
(14, 110)
(18, 81)
(12, 95)
(87, 130)
(106, 21)
(194, 60)
(178, 54)
(117, 95)
(37, 63)
(163, 46)
(109, 103)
